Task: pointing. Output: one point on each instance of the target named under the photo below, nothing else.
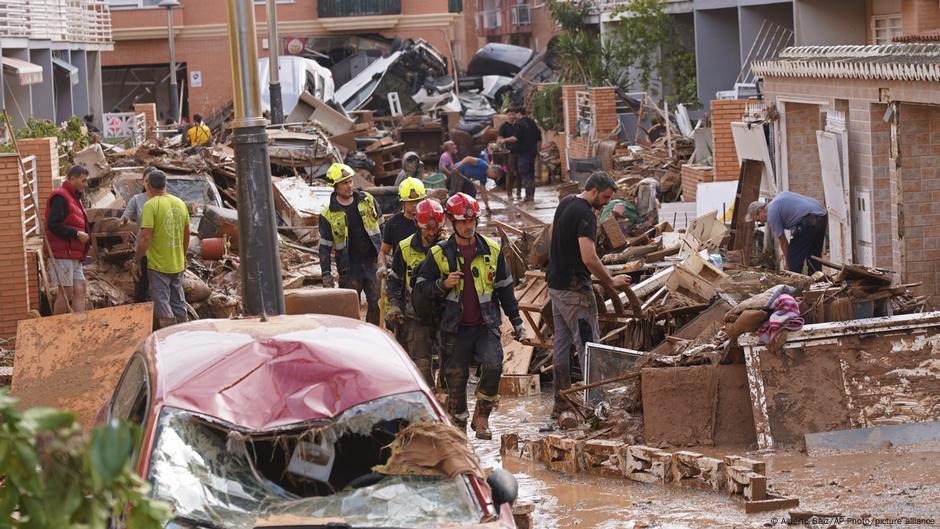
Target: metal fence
(125, 127)
(86, 21)
(357, 8)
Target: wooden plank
(772, 504)
(833, 184)
(742, 232)
(73, 361)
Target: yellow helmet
(339, 172)
(411, 190)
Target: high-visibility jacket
(198, 134)
(410, 253)
(75, 218)
(491, 279)
(334, 230)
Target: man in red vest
(67, 232)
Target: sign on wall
(195, 79)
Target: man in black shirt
(509, 133)
(572, 259)
(402, 224)
(530, 141)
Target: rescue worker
(402, 224)
(469, 274)
(351, 225)
(415, 334)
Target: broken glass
(217, 475)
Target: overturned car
(302, 421)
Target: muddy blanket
(431, 449)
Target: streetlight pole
(174, 87)
(262, 292)
(274, 46)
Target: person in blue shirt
(807, 221)
(471, 174)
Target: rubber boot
(456, 397)
(481, 419)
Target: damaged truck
(302, 421)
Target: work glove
(328, 281)
(382, 272)
(518, 332)
(393, 315)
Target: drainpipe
(274, 45)
(262, 292)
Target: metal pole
(262, 292)
(274, 52)
(174, 87)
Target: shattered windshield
(192, 191)
(318, 474)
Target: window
(133, 4)
(357, 8)
(885, 27)
(132, 396)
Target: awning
(27, 72)
(66, 67)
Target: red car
(280, 422)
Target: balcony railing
(521, 15)
(86, 21)
(357, 8)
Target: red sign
(294, 45)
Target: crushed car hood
(286, 370)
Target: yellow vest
(411, 256)
(198, 135)
(483, 268)
(340, 229)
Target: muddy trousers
(575, 317)
(460, 350)
(526, 167)
(169, 301)
(362, 278)
(418, 340)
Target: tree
(55, 476)
(647, 40)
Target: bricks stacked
(149, 110)
(725, 111)
(691, 176)
(14, 296)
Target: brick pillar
(604, 103)
(725, 111)
(14, 296)
(46, 151)
(149, 110)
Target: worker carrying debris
(807, 221)
(470, 319)
(199, 134)
(572, 260)
(416, 334)
(67, 232)
(402, 225)
(164, 238)
(351, 225)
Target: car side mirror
(504, 486)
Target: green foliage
(648, 40)
(644, 42)
(56, 476)
(69, 137)
(547, 108)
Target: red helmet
(428, 211)
(462, 207)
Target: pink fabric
(786, 316)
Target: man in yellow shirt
(164, 238)
(199, 134)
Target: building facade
(526, 23)
(137, 71)
(51, 52)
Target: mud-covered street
(890, 485)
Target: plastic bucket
(212, 248)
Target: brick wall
(803, 167)
(604, 111)
(919, 132)
(46, 151)
(723, 112)
(14, 296)
(919, 15)
(604, 108)
(691, 176)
